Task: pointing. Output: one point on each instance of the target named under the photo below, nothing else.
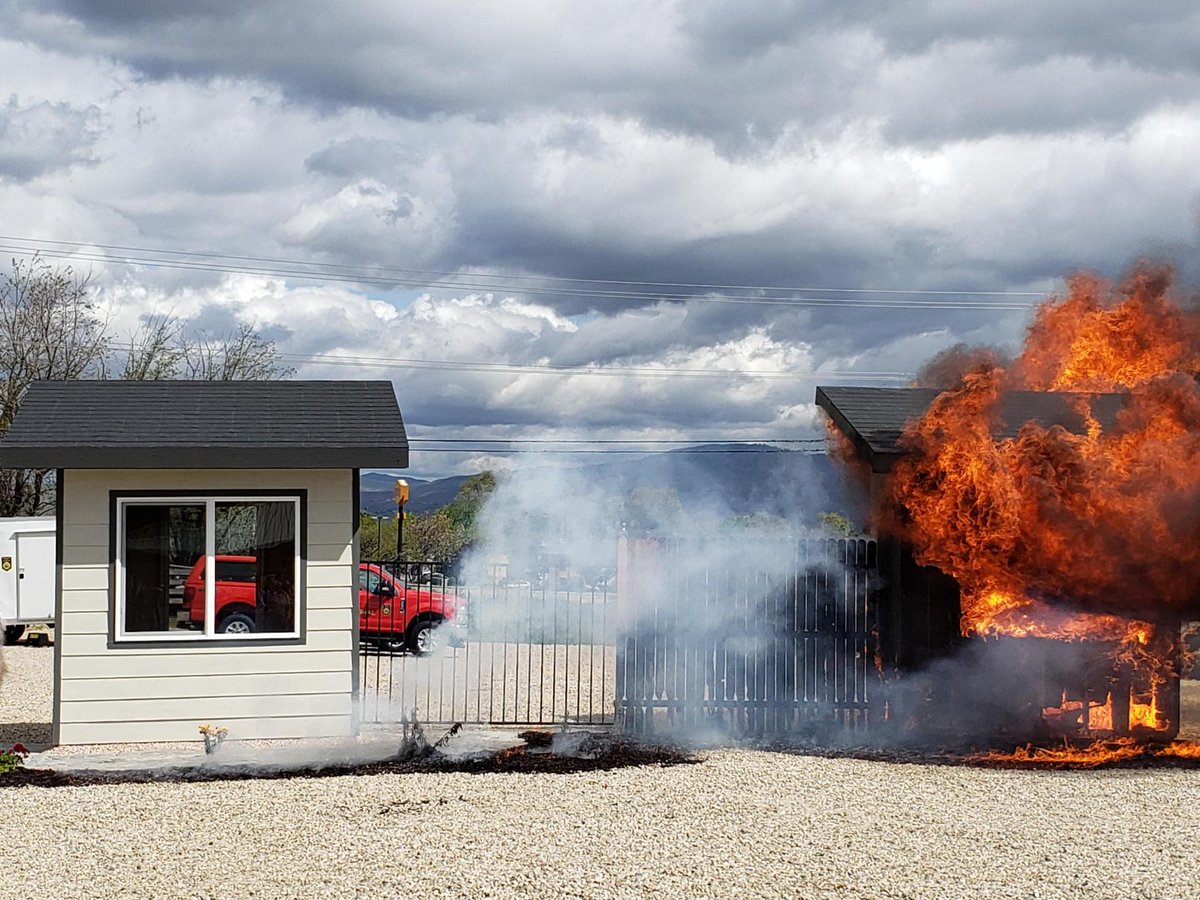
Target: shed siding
(304, 726)
(131, 693)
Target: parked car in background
(235, 595)
(390, 614)
(436, 581)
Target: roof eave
(203, 457)
(879, 462)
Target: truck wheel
(422, 638)
(12, 633)
(236, 623)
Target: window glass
(368, 581)
(261, 598)
(162, 544)
(251, 590)
(241, 570)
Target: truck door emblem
(6, 563)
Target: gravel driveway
(740, 823)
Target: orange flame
(1100, 716)
(1101, 338)
(1091, 532)
(1092, 756)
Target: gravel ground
(740, 823)
(26, 696)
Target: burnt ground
(531, 758)
(1105, 755)
(535, 757)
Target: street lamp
(401, 499)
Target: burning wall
(1072, 515)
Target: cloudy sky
(613, 220)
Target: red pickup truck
(390, 613)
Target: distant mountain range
(378, 497)
(741, 478)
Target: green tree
(464, 509)
(377, 536)
(837, 523)
(438, 536)
(760, 521)
(652, 509)
(434, 537)
(462, 514)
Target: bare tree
(162, 349)
(49, 330)
(244, 355)
(156, 350)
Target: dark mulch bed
(525, 759)
(597, 753)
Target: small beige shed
(207, 547)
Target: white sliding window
(221, 567)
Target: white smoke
(540, 512)
(695, 575)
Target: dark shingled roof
(207, 425)
(874, 418)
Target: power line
(495, 287)
(462, 282)
(450, 274)
(695, 451)
(547, 369)
(384, 362)
(589, 441)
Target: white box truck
(26, 574)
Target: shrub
(11, 760)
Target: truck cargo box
(27, 565)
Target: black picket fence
(784, 646)
(777, 643)
(505, 651)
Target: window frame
(120, 500)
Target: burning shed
(207, 551)
(1040, 525)
(1041, 514)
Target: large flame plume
(1087, 533)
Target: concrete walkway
(251, 757)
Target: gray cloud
(1158, 36)
(917, 146)
(744, 75)
(38, 138)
